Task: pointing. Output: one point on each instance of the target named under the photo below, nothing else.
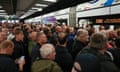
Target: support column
(72, 16)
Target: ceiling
(22, 7)
(6, 5)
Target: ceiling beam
(14, 2)
(8, 6)
(57, 6)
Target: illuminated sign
(99, 20)
(117, 20)
(102, 21)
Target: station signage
(108, 21)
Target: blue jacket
(70, 42)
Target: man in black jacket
(95, 57)
(80, 42)
(63, 57)
(6, 63)
(19, 49)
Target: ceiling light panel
(39, 9)
(51, 0)
(34, 8)
(3, 13)
(31, 10)
(27, 14)
(42, 5)
(2, 10)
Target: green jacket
(31, 45)
(45, 66)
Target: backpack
(105, 61)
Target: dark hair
(46, 31)
(118, 32)
(117, 42)
(91, 31)
(18, 31)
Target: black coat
(77, 47)
(116, 54)
(21, 50)
(63, 58)
(18, 49)
(7, 64)
(36, 52)
(91, 60)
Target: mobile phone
(20, 59)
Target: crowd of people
(58, 48)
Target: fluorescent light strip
(51, 0)
(34, 8)
(39, 9)
(3, 13)
(27, 14)
(30, 10)
(2, 10)
(22, 17)
(42, 5)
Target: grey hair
(81, 33)
(104, 32)
(98, 40)
(46, 49)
